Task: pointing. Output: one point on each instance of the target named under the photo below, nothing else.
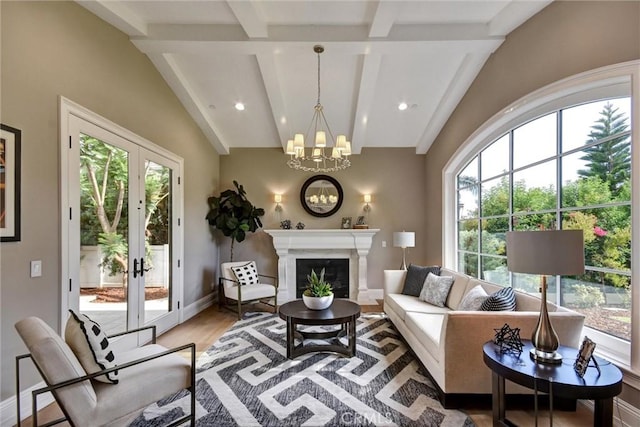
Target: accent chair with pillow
(97, 386)
(240, 283)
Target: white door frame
(69, 110)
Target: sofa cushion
(457, 289)
(427, 328)
(474, 299)
(436, 289)
(416, 275)
(403, 304)
(503, 300)
(90, 344)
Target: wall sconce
(367, 200)
(278, 199)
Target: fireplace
(336, 272)
(350, 245)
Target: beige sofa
(449, 342)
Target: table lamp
(550, 252)
(404, 239)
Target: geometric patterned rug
(245, 379)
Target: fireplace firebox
(336, 272)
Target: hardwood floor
(206, 327)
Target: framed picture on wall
(10, 139)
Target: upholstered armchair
(240, 283)
(144, 375)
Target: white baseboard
(624, 414)
(196, 307)
(376, 293)
(8, 407)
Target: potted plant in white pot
(319, 294)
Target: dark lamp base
(540, 356)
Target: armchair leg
(239, 310)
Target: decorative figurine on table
(508, 340)
(300, 226)
(285, 224)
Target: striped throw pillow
(503, 300)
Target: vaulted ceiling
(378, 54)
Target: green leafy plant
(317, 286)
(233, 214)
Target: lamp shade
(549, 252)
(404, 239)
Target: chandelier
(320, 157)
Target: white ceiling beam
(171, 72)
(247, 14)
(458, 85)
(366, 94)
(413, 47)
(515, 14)
(118, 15)
(384, 18)
(269, 71)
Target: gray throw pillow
(436, 289)
(416, 275)
(503, 300)
(474, 299)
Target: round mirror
(321, 195)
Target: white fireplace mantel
(323, 243)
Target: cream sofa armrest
(465, 332)
(393, 281)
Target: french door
(123, 237)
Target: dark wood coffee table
(557, 380)
(342, 312)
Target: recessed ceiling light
(239, 106)
(402, 106)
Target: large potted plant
(233, 214)
(319, 294)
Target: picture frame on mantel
(10, 140)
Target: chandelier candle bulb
(321, 139)
(290, 150)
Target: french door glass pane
(104, 233)
(157, 276)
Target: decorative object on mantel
(321, 157)
(552, 252)
(319, 293)
(321, 195)
(585, 355)
(285, 224)
(508, 340)
(300, 226)
(233, 214)
(346, 222)
(361, 223)
(404, 239)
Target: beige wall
(393, 177)
(564, 39)
(58, 48)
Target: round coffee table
(341, 312)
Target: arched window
(559, 159)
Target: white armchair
(145, 375)
(240, 283)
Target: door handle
(135, 268)
(141, 267)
